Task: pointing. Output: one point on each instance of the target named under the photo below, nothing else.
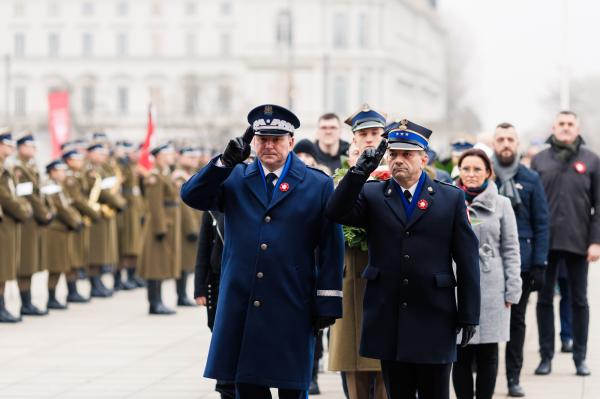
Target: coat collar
(487, 199)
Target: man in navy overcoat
(414, 306)
(281, 276)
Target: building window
(340, 37)
(87, 44)
(363, 32)
(190, 44)
(53, 45)
(340, 95)
(87, 100)
(284, 28)
(122, 44)
(156, 8)
(190, 8)
(225, 43)
(19, 8)
(123, 100)
(19, 45)
(20, 101)
(87, 8)
(226, 7)
(224, 97)
(192, 95)
(53, 8)
(122, 8)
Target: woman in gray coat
(494, 223)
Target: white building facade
(204, 63)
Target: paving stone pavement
(111, 348)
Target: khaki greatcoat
(162, 259)
(32, 230)
(190, 228)
(131, 238)
(15, 211)
(345, 333)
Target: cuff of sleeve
(329, 305)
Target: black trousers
(405, 380)
(251, 391)
(577, 271)
(514, 347)
(485, 358)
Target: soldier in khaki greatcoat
(27, 178)
(15, 210)
(161, 259)
(59, 232)
(103, 233)
(131, 220)
(188, 164)
(77, 189)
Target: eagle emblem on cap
(366, 108)
(268, 110)
(403, 124)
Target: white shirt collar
(410, 189)
(277, 172)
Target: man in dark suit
(274, 292)
(416, 227)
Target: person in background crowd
(458, 146)
(411, 314)
(161, 259)
(524, 189)
(27, 178)
(329, 145)
(434, 172)
(76, 187)
(59, 231)
(14, 211)
(307, 152)
(360, 373)
(570, 173)
(208, 277)
(188, 164)
(494, 223)
(282, 269)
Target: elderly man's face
(272, 151)
(566, 128)
(506, 145)
(407, 165)
(368, 138)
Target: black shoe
(140, 282)
(73, 296)
(133, 279)
(567, 346)
(53, 303)
(185, 302)
(99, 290)
(314, 388)
(128, 285)
(582, 369)
(544, 368)
(5, 316)
(160, 308)
(515, 390)
(181, 285)
(28, 308)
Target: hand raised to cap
(370, 158)
(238, 149)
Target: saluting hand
(370, 158)
(238, 149)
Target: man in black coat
(524, 189)
(571, 177)
(416, 227)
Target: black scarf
(471, 193)
(565, 151)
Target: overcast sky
(515, 59)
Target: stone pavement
(111, 348)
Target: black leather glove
(192, 237)
(468, 331)
(238, 149)
(160, 236)
(322, 322)
(537, 277)
(370, 158)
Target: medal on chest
(283, 187)
(580, 167)
(422, 204)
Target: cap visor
(405, 146)
(368, 125)
(271, 133)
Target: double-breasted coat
(495, 226)
(413, 303)
(26, 173)
(131, 239)
(15, 210)
(161, 259)
(59, 243)
(282, 267)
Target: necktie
(270, 178)
(407, 195)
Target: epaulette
(446, 184)
(317, 170)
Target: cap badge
(268, 110)
(423, 204)
(366, 108)
(283, 187)
(580, 167)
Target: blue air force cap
(26, 138)
(366, 118)
(6, 137)
(72, 154)
(461, 145)
(57, 164)
(406, 135)
(273, 120)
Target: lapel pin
(429, 189)
(389, 191)
(283, 187)
(580, 167)
(422, 204)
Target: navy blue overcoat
(282, 267)
(411, 309)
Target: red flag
(145, 160)
(59, 119)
